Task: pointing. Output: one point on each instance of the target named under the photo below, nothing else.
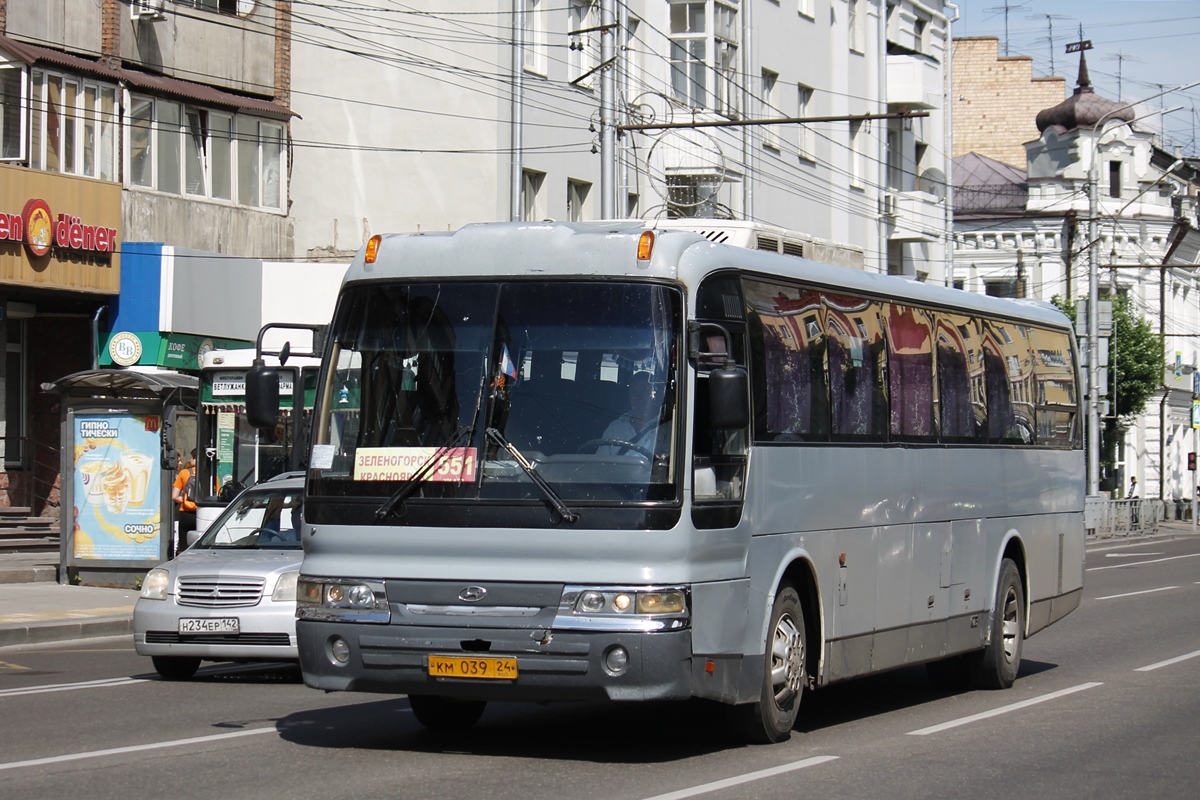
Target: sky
(1140, 48)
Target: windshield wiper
(567, 514)
(417, 478)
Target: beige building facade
(996, 100)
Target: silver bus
(568, 462)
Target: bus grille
(220, 592)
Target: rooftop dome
(1084, 108)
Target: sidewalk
(35, 609)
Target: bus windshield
(495, 387)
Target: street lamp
(1093, 421)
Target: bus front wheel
(995, 667)
(771, 718)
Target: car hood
(229, 561)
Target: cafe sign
(39, 230)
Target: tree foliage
(1135, 371)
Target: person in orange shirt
(181, 493)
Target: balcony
(914, 81)
(914, 216)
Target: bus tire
(446, 714)
(771, 719)
(175, 668)
(995, 667)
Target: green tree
(1135, 372)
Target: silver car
(231, 596)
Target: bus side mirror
(728, 397)
(262, 396)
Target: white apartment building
(428, 117)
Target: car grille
(220, 592)
(257, 639)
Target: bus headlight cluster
(645, 608)
(330, 600)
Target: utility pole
(608, 116)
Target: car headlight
(156, 583)
(330, 599)
(285, 587)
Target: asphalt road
(1105, 706)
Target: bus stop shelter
(122, 432)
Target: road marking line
(1139, 563)
(1130, 555)
(954, 723)
(34, 762)
(705, 788)
(66, 687)
(1168, 662)
(1131, 594)
(10, 665)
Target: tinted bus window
(794, 387)
(1054, 387)
(910, 372)
(962, 415)
(857, 368)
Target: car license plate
(473, 667)
(215, 625)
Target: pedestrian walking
(183, 493)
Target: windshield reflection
(580, 377)
(258, 520)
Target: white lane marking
(137, 748)
(1130, 555)
(705, 788)
(1168, 662)
(1139, 563)
(67, 687)
(1131, 594)
(995, 712)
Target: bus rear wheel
(771, 719)
(446, 714)
(996, 666)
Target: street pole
(608, 117)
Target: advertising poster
(117, 481)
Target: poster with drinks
(118, 497)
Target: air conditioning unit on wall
(146, 9)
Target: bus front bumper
(550, 665)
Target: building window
(1114, 179)
(583, 49)
(854, 26)
(857, 137)
(805, 8)
(695, 196)
(532, 202)
(692, 42)
(770, 102)
(73, 126)
(577, 195)
(804, 140)
(12, 113)
(216, 6)
(196, 152)
(534, 58)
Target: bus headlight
(623, 608)
(335, 600)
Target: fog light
(616, 660)
(339, 650)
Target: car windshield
(258, 520)
(579, 377)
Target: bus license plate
(485, 667)
(216, 625)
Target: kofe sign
(38, 229)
